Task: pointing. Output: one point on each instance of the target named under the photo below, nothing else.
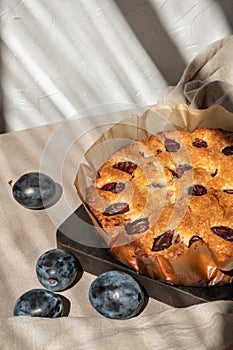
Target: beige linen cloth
(207, 80)
(26, 234)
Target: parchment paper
(136, 127)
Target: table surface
(25, 234)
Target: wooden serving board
(78, 228)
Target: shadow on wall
(149, 29)
(227, 8)
(2, 120)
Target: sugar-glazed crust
(166, 205)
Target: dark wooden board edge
(98, 260)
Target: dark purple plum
(57, 269)
(34, 190)
(116, 295)
(39, 303)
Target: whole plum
(34, 190)
(116, 295)
(57, 269)
(39, 303)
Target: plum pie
(165, 205)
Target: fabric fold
(206, 326)
(207, 80)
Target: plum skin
(116, 295)
(39, 303)
(34, 190)
(57, 269)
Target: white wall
(63, 56)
